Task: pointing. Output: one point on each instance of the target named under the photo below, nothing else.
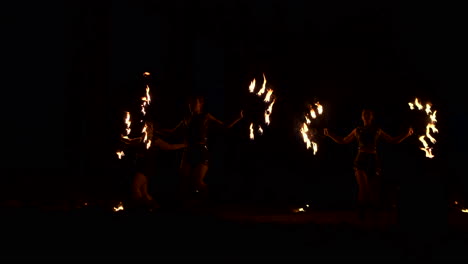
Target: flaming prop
(128, 123)
(313, 113)
(147, 128)
(430, 127)
(145, 103)
(269, 99)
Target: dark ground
(224, 232)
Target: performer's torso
(367, 137)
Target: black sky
(71, 69)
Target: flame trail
(268, 98)
(304, 130)
(430, 126)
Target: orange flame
(305, 136)
(319, 108)
(305, 128)
(128, 122)
(268, 95)
(146, 74)
(119, 207)
(262, 90)
(430, 127)
(251, 131)
(120, 154)
(252, 86)
(260, 130)
(312, 113)
(268, 112)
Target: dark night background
(70, 70)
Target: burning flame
(119, 207)
(251, 131)
(268, 112)
(269, 97)
(430, 127)
(120, 154)
(262, 90)
(128, 123)
(252, 86)
(146, 74)
(304, 130)
(146, 101)
(319, 108)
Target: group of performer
(196, 155)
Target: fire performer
(367, 166)
(195, 159)
(145, 163)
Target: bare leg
(138, 181)
(144, 190)
(199, 177)
(185, 181)
(363, 187)
(363, 193)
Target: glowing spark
(418, 104)
(252, 86)
(305, 136)
(262, 90)
(430, 127)
(319, 108)
(251, 131)
(270, 107)
(428, 109)
(312, 113)
(146, 74)
(433, 117)
(268, 95)
(128, 122)
(119, 207)
(260, 130)
(314, 147)
(120, 154)
(148, 97)
(426, 147)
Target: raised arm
(131, 141)
(398, 139)
(341, 140)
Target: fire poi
(146, 131)
(269, 100)
(311, 117)
(430, 126)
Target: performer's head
(367, 116)
(196, 104)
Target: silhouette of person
(367, 166)
(145, 164)
(195, 159)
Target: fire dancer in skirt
(367, 166)
(145, 164)
(195, 159)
